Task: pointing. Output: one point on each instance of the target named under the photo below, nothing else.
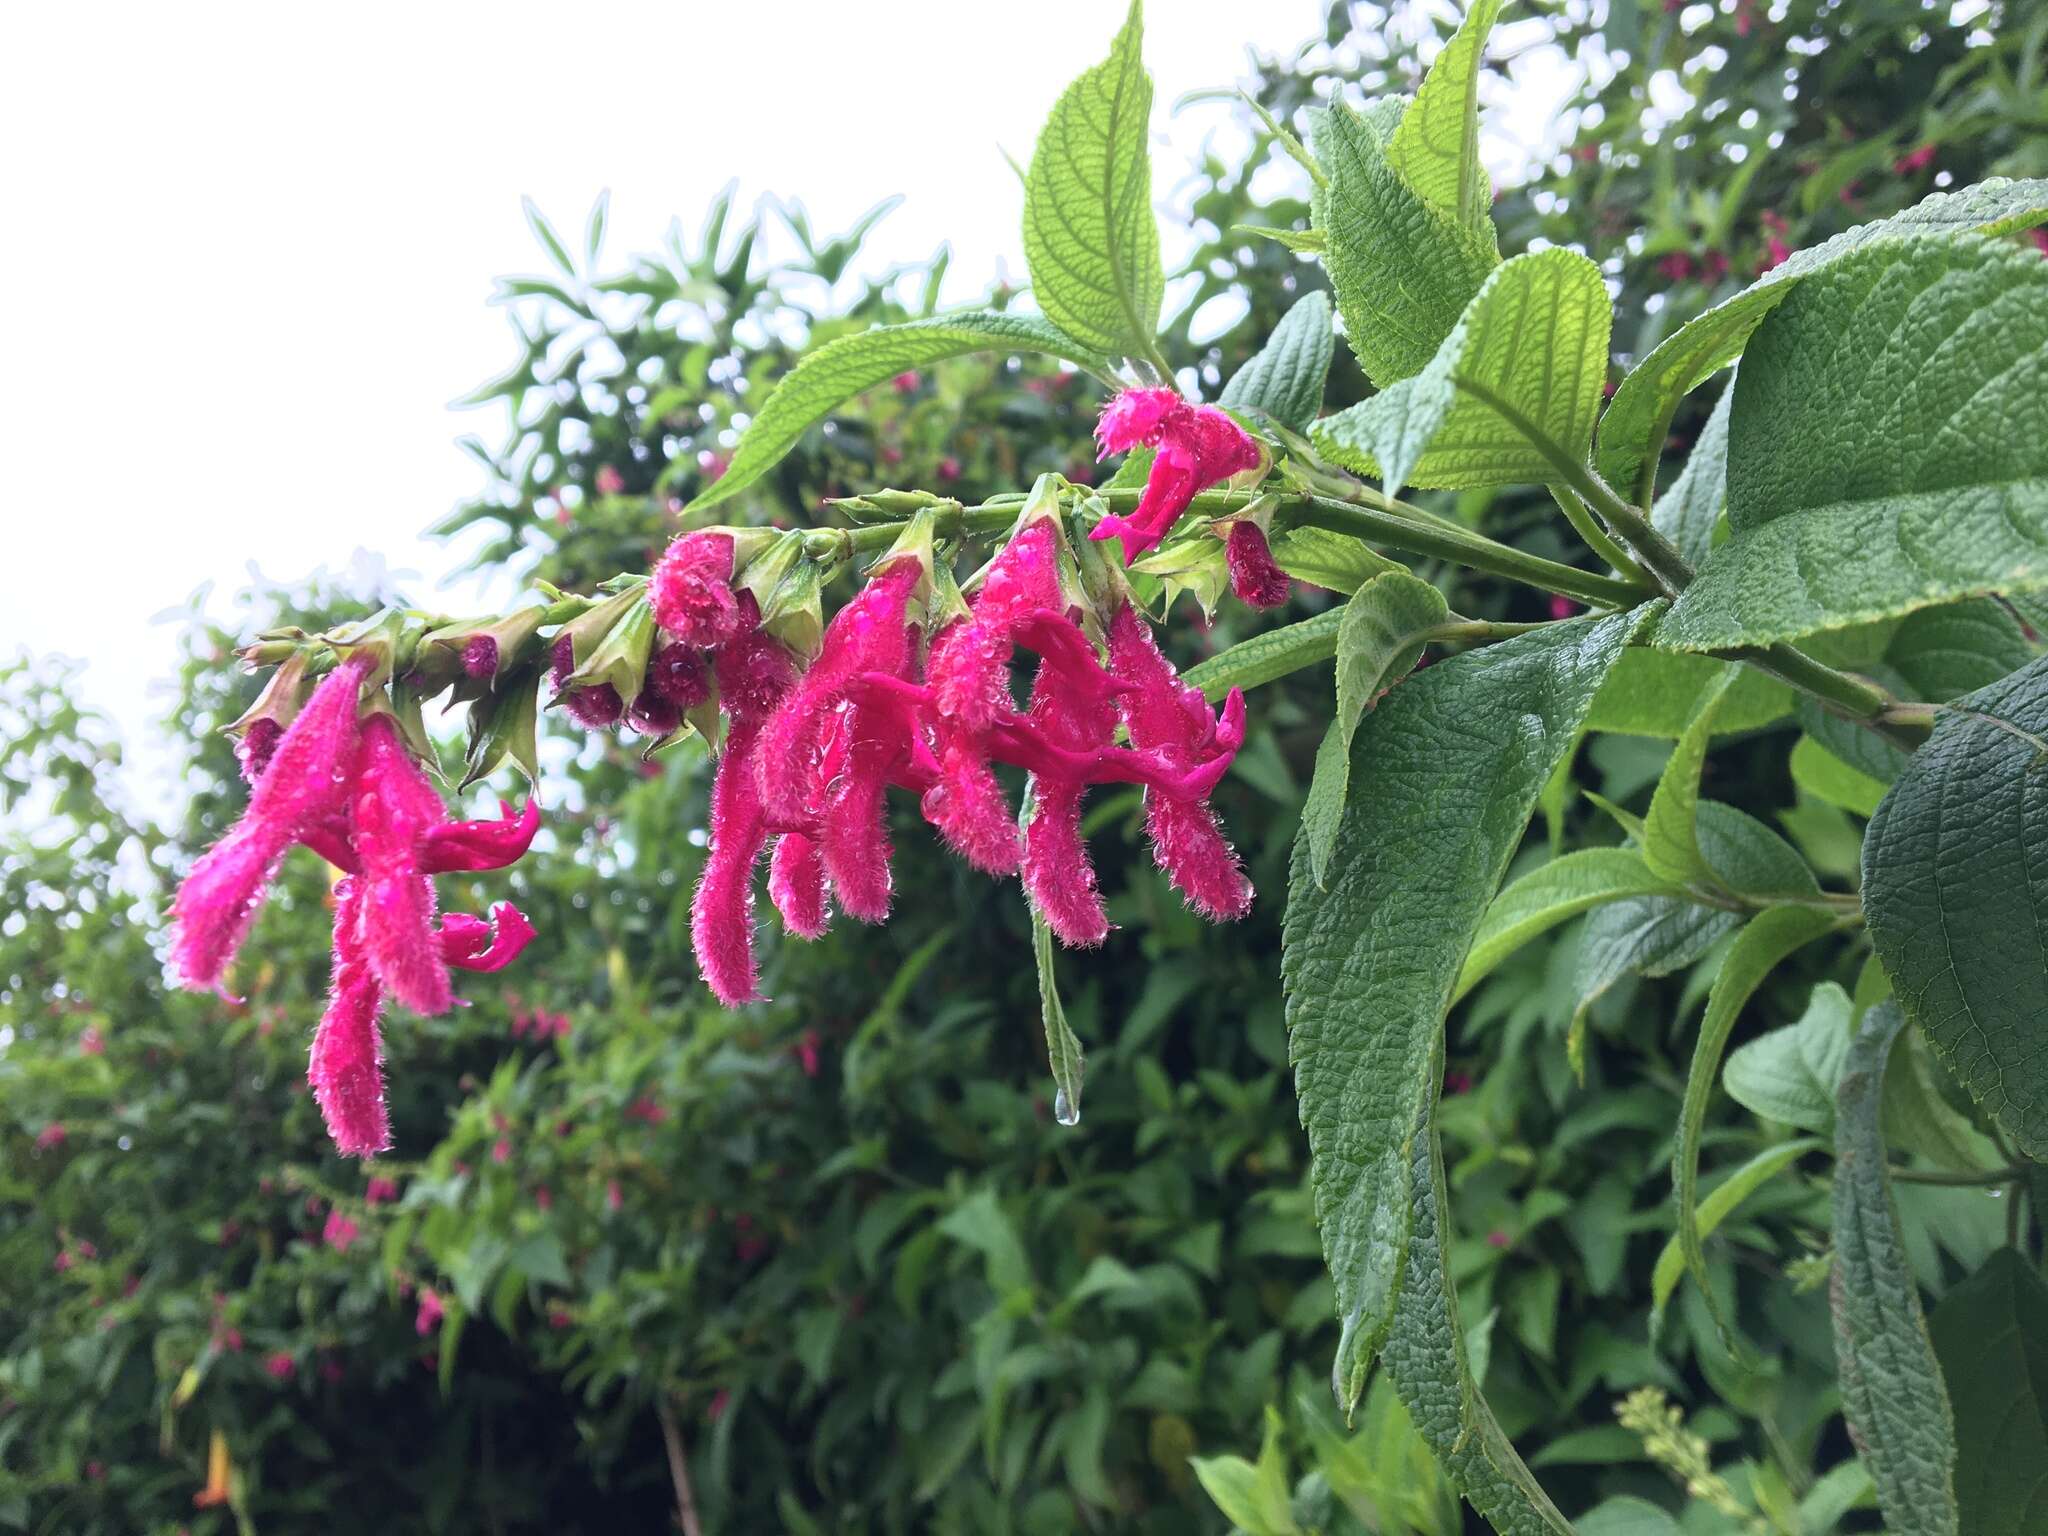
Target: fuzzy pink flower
(1072, 709)
(691, 590)
(595, 709)
(652, 715)
(1165, 716)
(1195, 446)
(392, 809)
(304, 782)
(677, 673)
(1255, 577)
(796, 884)
(480, 656)
(339, 1232)
(346, 1067)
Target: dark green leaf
(1284, 378)
(1991, 1336)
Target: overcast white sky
(248, 246)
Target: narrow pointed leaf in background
(1892, 1390)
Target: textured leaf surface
(1826, 777)
(1955, 890)
(1525, 361)
(1551, 894)
(1403, 271)
(1447, 771)
(1686, 514)
(1888, 448)
(1790, 1074)
(1991, 1336)
(1089, 233)
(1647, 935)
(1671, 845)
(1267, 655)
(1764, 941)
(834, 373)
(1654, 693)
(1329, 560)
(1379, 640)
(1632, 433)
(1892, 1391)
(1285, 377)
(1436, 147)
(1426, 1356)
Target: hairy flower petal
(479, 845)
(796, 884)
(1254, 576)
(392, 810)
(691, 590)
(345, 1068)
(474, 944)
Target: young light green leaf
(1826, 777)
(1333, 561)
(1767, 939)
(1381, 636)
(1269, 654)
(1918, 1117)
(1062, 1046)
(1655, 693)
(1955, 890)
(1633, 431)
(830, 375)
(1089, 233)
(1671, 844)
(1285, 377)
(1688, 512)
(1839, 514)
(1253, 1497)
(1721, 1203)
(1991, 1337)
(1515, 384)
(1403, 271)
(1892, 1391)
(1789, 1075)
(1436, 147)
(1549, 895)
(1426, 1355)
(1449, 768)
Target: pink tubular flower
(1075, 713)
(51, 1135)
(91, 1042)
(346, 1067)
(1196, 446)
(1675, 268)
(796, 884)
(392, 809)
(691, 590)
(1165, 716)
(1254, 576)
(430, 1314)
(304, 782)
(1915, 160)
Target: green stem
(1597, 538)
(1957, 1180)
(1853, 697)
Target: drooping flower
(691, 590)
(1255, 577)
(1194, 447)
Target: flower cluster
(346, 785)
(911, 689)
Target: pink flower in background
(906, 382)
(1562, 607)
(647, 1111)
(339, 1232)
(1195, 446)
(430, 1313)
(2039, 239)
(90, 1043)
(613, 1197)
(379, 1190)
(51, 1135)
(280, 1365)
(501, 1151)
(715, 1409)
(1675, 267)
(609, 481)
(1915, 160)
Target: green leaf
(1549, 895)
(1647, 935)
(1655, 693)
(1840, 512)
(829, 376)
(1789, 1075)
(1826, 777)
(1382, 634)
(1253, 1497)
(1991, 1337)
(1062, 1046)
(1436, 147)
(1633, 431)
(1892, 1391)
(544, 232)
(1267, 655)
(1671, 844)
(1426, 1354)
(1721, 1204)
(1516, 381)
(1688, 512)
(1919, 1118)
(1333, 561)
(1403, 271)
(1955, 891)
(503, 725)
(1627, 1516)
(1748, 859)
(1764, 941)
(1449, 768)
(1285, 377)
(1089, 233)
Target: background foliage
(832, 1254)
